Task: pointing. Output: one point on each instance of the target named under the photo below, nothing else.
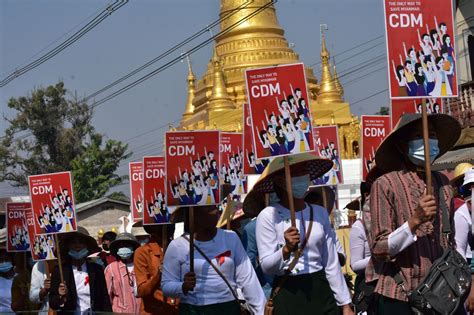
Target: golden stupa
(215, 101)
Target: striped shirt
(393, 200)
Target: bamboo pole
(229, 212)
(191, 239)
(289, 190)
(426, 143)
(58, 254)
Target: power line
(168, 52)
(350, 49)
(171, 63)
(68, 42)
(178, 59)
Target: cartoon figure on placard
(157, 208)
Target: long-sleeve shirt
(226, 251)
(360, 251)
(147, 262)
(463, 236)
(120, 285)
(319, 253)
(38, 275)
(394, 198)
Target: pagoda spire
(328, 92)
(339, 87)
(191, 87)
(219, 98)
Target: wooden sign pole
(191, 239)
(58, 254)
(164, 236)
(229, 212)
(289, 190)
(426, 143)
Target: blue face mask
(300, 185)
(6, 266)
(78, 255)
(416, 151)
(125, 252)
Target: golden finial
(100, 233)
(191, 87)
(114, 229)
(219, 97)
(328, 92)
(339, 87)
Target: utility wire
(68, 42)
(168, 52)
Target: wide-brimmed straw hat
(459, 172)
(234, 211)
(353, 205)
(321, 196)
(313, 165)
(448, 130)
(81, 232)
(468, 178)
(124, 240)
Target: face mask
(125, 252)
(78, 255)
(143, 242)
(299, 185)
(416, 151)
(6, 266)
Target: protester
(120, 275)
(253, 204)
(105, 255)
(6, 276)
(84, 288)
(462, 215)
(405, 234)
(41, 284)
(310, 280)
(21, 284)
(324, 196)
(205, 291)
(467, 186)
(148, 260)
(140, 234)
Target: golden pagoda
(215, 100)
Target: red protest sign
(232, 176)
(400, 107)
(279, 110)
(52, 201)
(17, 226)
(154, 191)
(252, 165)
(420, 48)
(42, 246)
(192, 168)
(327, 146)
(374, 130)
(135, 172)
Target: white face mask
(416, 151)
(299, 186)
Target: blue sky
(143, 29)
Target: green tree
(384, 110)
(52, 132)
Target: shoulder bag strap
(215, 268)
(297, 255)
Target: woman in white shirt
(41, 284)
(6, 280)
(204, 291)
(315, 285)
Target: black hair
(407, 62)
(283, 100)
(444, 51)
(109, 236)
(444, 39)
(432, 33)
(399, 76)
(289, 98)
(210, 152)
(438, 59)
(423, 35)
(301, 100)
(297, 89)
(262, 133)
(410, 50)
(442, 24)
